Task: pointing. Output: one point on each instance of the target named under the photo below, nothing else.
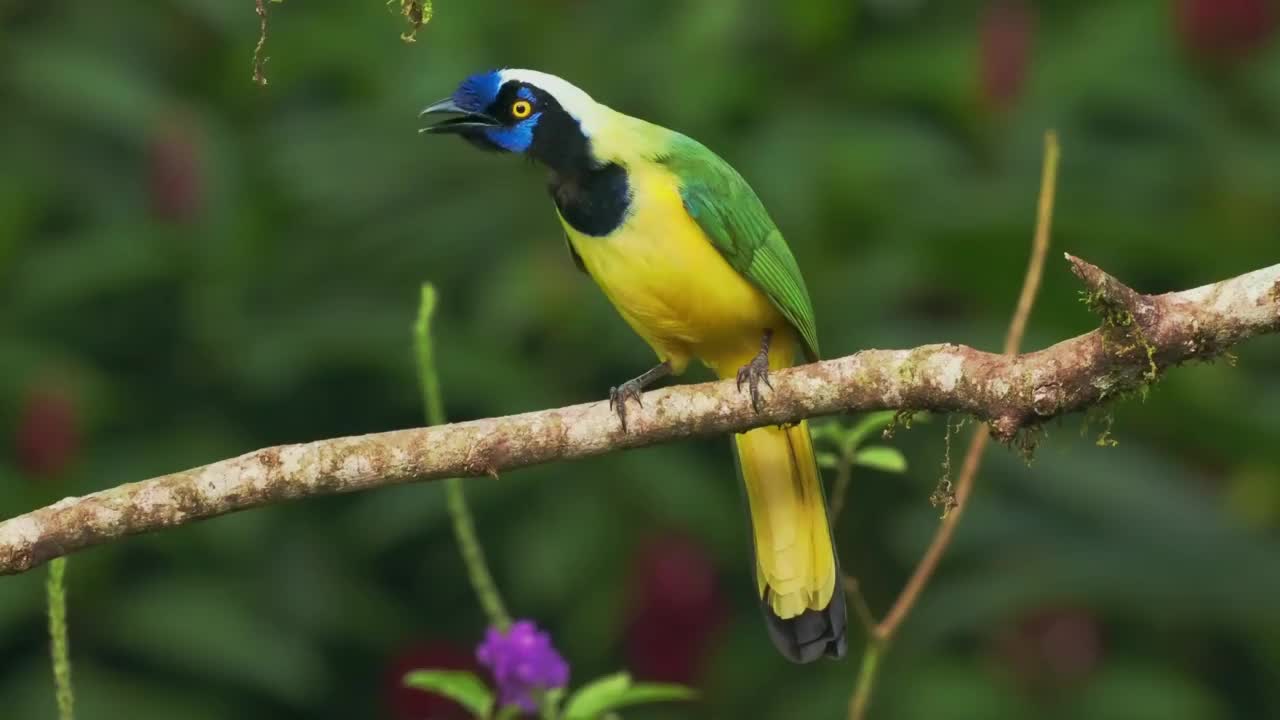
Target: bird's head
(521, 111)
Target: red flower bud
(1225, 29)
(1006, 29)
(1054, 646)
(48, 433)
(406, 703)
(677, 610)
(175, 183)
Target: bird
(687, 254)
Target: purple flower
(522, 660)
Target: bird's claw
(618, 397)
(754, 373)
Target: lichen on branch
(1009, 392)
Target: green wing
(730, 213)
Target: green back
(730, 213)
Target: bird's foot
(633, 389)
(618, 397)
(757, 371)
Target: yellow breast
(671, 284)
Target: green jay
(686, 252)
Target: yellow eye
(521, 109)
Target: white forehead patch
(577, 103)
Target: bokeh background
(193, 266)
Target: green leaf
(847, 439)
(617, 691)
(462, 687)
(643, 693)
(825, 430)
(872, 422)
(596, 696)
(549, 703)
(827, 460)
(881, 457)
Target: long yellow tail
(797, 572)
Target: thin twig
(473, 556)
(861, 608)
(888, 627)
(941, 539)
(972, 458)
(847, 444)
(868, 671)
(464, 529)
(60, 651)
(844, 474)
(1039, 246)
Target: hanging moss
(417, 13)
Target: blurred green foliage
(193, 266)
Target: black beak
(464, 120)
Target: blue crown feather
(478, 91)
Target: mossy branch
(1008, 392)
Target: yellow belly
(674, 288)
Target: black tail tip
(812, 635)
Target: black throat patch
(592, 198)
(593, 201)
